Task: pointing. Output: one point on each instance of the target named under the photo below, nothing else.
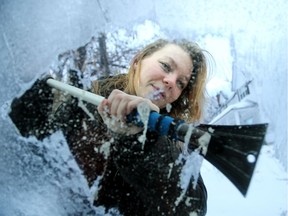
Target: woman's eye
(180, 85)
(166, 67)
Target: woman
(134, 178)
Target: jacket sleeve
(35, 111)
(154, 172)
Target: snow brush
(232, 149)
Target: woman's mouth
(157, 94)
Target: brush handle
(163, 125)
(76, 92)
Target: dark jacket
(137, 181)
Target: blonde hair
(189, 105)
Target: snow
(143, 110)
(248, 38)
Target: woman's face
(164, 75)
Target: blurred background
(247, 84)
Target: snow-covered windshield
(247, 84)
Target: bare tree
(104, 63)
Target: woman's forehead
(177, 55)
(174, 51)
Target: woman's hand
(117, 106)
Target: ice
(203, 142)
(252, 42)
(105, 148)
(144, 112)
(40, 178)
(84, 108)
(168, 107)
(190, 171)
(187, 138)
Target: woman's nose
(170, 80)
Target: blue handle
(162, 124)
